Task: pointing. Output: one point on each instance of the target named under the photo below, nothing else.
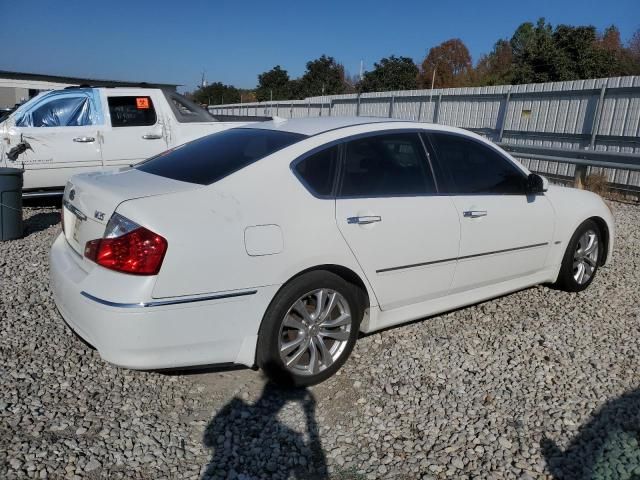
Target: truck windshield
(208, 159)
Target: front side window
(208, 159)
(391, 164)
(131, 111)
(317, 171)
(476, 169)
(66, 110)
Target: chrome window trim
(341, 142)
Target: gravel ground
(537, 384)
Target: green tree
(495, 68)
(216, 93)
(275, 81)
(451, 62)
(392, 73)
(544, 54)
(535, 55)
(324, 76)
(581, 55)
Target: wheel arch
(604, 232)
(343, 272)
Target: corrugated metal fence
(560, 129)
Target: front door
(505, 233)
(57, 137)
(404, 236)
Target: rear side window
(476, 169)
(185, 110)
(386, 165)
(317, 171)
(208, 159)
(131, 111)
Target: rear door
(136, 127)
(505, 233)
(404, 235)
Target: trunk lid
(90, 199)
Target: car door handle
(365, 220)
(84, 139)
(152, 136)
(474, 213)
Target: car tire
(309, 329)
(581, 259)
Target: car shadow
(250, 441)
(40, 221)
(608, 446)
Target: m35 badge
(99, 215)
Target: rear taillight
(127, 247)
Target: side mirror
(536, 184)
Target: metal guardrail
(589, 158)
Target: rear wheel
(581, 259)
(309, 329)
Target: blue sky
(172, 41)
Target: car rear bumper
(153, 334)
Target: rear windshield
(211, 158)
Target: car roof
(316, 125)
(310, 126)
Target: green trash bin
(10, 203)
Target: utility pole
(433, 79)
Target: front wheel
(309, 329)
(581, 259)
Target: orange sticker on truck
(142, 103)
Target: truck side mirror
(536, 184)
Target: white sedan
(275, 245)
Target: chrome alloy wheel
(585, 258)
(315, 331)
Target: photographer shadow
(608, 446)
(250, 442)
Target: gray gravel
(537, 384)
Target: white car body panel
(430, 232)
(522, 222)
(233, 244)
(54, 156)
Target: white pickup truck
(79, 129)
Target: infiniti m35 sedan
(274, 245)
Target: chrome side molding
(175, 301)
